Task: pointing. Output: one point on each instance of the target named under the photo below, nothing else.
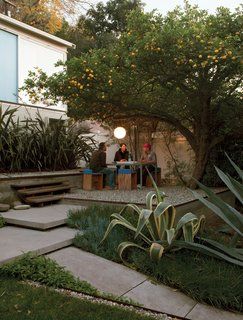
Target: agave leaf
(185, 219)
(161, 219)
(142, 220)
(170, 235)
(132, 206)
(156, 251)
(114, 223)
(228, 250)
(149, 199)
(121, 218)
(188, 231)
(229, 214)
(159, 196)
(199, 226)
(237, 169)
(206, 250)
(235, 187)
(124, 245)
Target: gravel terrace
(174, 195)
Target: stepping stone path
(21, 207)
(117, 279)
(4, 207)
(39, 218)
(15, 241)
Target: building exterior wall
(34, 51)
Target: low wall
(194, 206)
(198, 208)
(74, 177)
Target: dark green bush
(234, 149)
(38, 145)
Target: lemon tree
(184, 68)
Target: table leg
(141, 176)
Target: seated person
(122, 155)
(98, 164)
(150, 159)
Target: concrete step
(39, 218)
(14, 241)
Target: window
(8, 66)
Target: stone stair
(41, 193)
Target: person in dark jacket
(122, 154)
(98, 164)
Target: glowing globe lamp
(120, 132)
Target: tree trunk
(201, 159)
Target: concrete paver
(204, 312)
(162, 298)
(103, 274)
(114, 278)
(14, 241)
(39, 218)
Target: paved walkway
(105, 275)
(114, 278)
(39, 218)
(15, 241)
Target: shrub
(37, 145)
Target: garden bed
(179, 196)
(202, 278)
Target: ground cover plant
(46, 271)
(20, 301)
(36, 145)
(203, 278)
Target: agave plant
(158, 233)
(232, 217)
(156, 227)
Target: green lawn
(21, 301)
(203, 278)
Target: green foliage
(217, 157)
(160, 225)
(2, 222)
(45, 271)
(230, 215)
(182, 69)
(185, 270)
(37, 145)
(20, 301)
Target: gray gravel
(174, 195)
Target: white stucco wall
(32, 54)
(35, 50)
